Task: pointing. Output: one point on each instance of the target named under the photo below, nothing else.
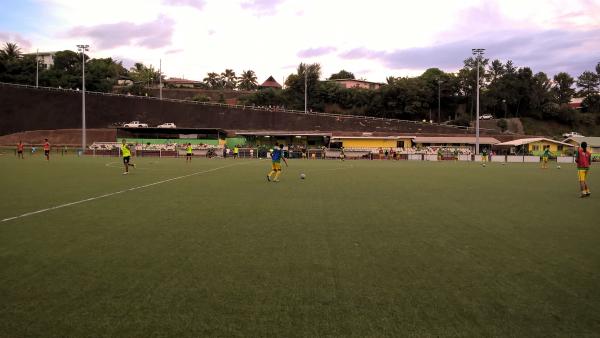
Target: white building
(46, 59)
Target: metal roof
(456, 139)
(591, 141)
(373, 137)
(279, 133)
(523, 141)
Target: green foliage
(589, 83)
(591, 104)
(229, 79)
(248, 80)
(341, 75)
(201, 98)
(101, 74)
(147, 76)
(563, 91)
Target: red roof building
(270, 83)
(180, 83)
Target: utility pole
(83, 49)
(160, 79)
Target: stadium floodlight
(305, 89)
(478, 52)
(37, 67)
(83, 49)
(439, 82)
(160, 79)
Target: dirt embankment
(513, 125)
(63, 137)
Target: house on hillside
(180, 83)
(534, 146)
(576, 102)
(353, 83)
(46, 59)
(593, 143)
(124, 81)
(270, 83)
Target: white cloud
(269, 35)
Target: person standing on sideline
(236, 151)
(276, 157)
(126, 156)
(20, 148)
(188, 153)
(583, 158)
(47, 149)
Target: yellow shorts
(276, 166)
(582, 174)
(545, 159)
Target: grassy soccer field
(359, 248)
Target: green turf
(359, 248)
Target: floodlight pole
(478, 52)
(160, 79)
(83, 49)
(439, 101)
(305, 90)
(37, 67)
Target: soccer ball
(302, 176)
(483, 164)
(557, 167)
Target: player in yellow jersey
(188, 153)
(126, 156)
(545, 157)
(276, 157)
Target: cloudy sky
(373, 39)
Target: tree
(144, 75)
(229, 79)
(588, 82)
(10, 52)
(295, 85)
(248, 80)
(563, 91)
(213, 81)
(102, 74)
(496, 70)
(342, 75)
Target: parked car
(135, 124)
(167, 125)
(572, 134)
(486, 117)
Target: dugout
(210, 136)
(295, 139)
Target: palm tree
(10, 51)
(213, 80)
(229, 79)
(248, 80)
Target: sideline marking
(117, 192)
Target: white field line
(116, 193)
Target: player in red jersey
(47, 149)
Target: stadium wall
(27, 108)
